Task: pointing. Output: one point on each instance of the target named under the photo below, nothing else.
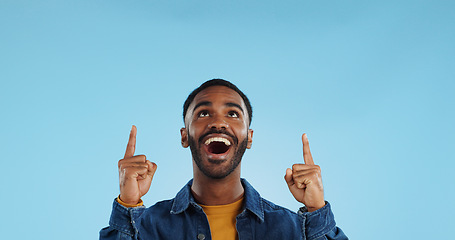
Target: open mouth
(217, 145)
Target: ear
(250, 138)
(184, 135)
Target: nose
(218, 123)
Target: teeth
(218, 139)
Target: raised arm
(135, 177)
(135, 173)
(305, 183)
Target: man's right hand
(135, 173)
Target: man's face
(216, 129)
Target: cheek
(190, 132)
(194, 129)
(241, 131)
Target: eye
(233, 114)
(203, 113)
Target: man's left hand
(304, 180)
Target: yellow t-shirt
(222, 220)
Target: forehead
(218, 94)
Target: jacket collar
(252, 200)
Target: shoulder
(278, 222)
(173, 206)
(270, 207)
(158, 213)
(161, 206)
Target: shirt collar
(253, 201)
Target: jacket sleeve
(320, 224)
(122, 224)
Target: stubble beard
(233, 162)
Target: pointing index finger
(131, 147)
(307, 158)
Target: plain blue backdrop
(371, 82)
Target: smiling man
(218, 204)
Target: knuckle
(141, 157)
(131, 172)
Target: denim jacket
(183, 218)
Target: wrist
(129, 204)
(316, 207)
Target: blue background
(372, 83)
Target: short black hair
(217, 82)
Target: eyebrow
(230, 104)
(204, 103)
(207, 103)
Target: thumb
(288, 177)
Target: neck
(210, 192)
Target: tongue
(217, 147)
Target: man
(217, 203)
